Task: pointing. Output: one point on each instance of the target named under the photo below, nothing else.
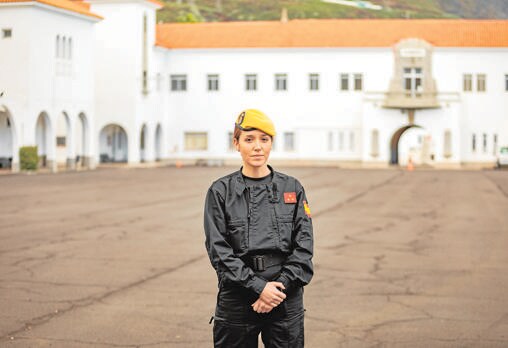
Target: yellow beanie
(255, 119)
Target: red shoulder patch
(290, 197)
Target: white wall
(480, 112)
(119, 73)
(313, 114)
(29, 69)
(298, 109)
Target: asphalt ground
(116, 258)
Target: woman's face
(254, 146)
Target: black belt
(260, 263)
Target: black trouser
(237, 325)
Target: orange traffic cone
(410, 166)
(179, 164)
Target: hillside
(246, 10)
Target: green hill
(248, 10)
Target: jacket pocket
(237, 232)
(285, 230)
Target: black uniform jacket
(272, 218)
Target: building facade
(104, 83)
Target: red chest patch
(290, 197)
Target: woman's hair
(237, 132)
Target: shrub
(28, 157)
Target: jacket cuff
(284, 280)
(257, 284)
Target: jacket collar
(239, 182)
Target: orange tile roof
(82, 3)
(333, 33)
(73, 6)
(157, 2)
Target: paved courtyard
(115, 258)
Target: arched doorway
(64, 141)
(142, 143)
(81, 135)
(411, 141)
(6, 139)
(43, 137)
(113, 145)
(158, 142)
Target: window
(213, 82)
(344, 82)
(63, 53)
(481, 82)
(178, 82)
(230, 145)
(374, 144)
(484, 143)
(281, 82)
(142, 139)
(60, 141)
(447, 144)
(467, 84)
(351, 141)
(330, 141)
(7, 33)
(159, 81)
(145, 81)
(358, 82)
(289, 141)
(314, 82)
(196, 141)
(413, 81)
(251, 82)
(473, 143)
(144, 53)
(494, 144)
(57, 47)
(341, 141)
(69, 50)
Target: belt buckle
(259, 263)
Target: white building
(46, 75)
(101, 81)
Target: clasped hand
(270, 298)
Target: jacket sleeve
(298, 268)
(227, 265)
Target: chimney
(284, 15)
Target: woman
(259, 239)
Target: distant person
(259, 239)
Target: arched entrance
(6, 139)
(43, 137)
(411, 142)
(158, 142)
(142, 142)
(113, 144)
(81, 135)
(64, 141)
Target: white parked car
(502, 157)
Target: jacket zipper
(249, 206)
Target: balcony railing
(411, 100)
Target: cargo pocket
(237, 232)
(285, 230)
